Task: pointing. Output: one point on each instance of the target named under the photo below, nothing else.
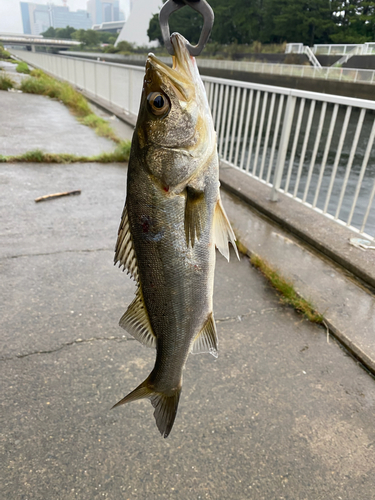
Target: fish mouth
(181, 75)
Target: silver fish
(171, 222)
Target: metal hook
(200, 6)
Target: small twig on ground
(57, 195)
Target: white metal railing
(315, 148)
(367, 48)
(330, 73)
(299, 48)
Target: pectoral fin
(206, 340)
(136, 322)
(223, 232)
(195, 215)
(124, 251)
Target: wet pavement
(9, 69)
(30, 122)
(280, 414)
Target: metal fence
(367, 48)
(315, 148)
(304, 71)
(330, 73)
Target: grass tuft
(42, 84)
(22, 67)
(286, 289)
(6, 83)
(100, 126)
(120, 154)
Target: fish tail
(165, 406)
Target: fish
(172, 221)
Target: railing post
(283, 146)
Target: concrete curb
(347, 307)
(321, 233)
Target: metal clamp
(200, 6)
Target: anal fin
(195, 215)
(136, 322)
(206, 340)
(223, 232)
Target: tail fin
(165, 406)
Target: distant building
(104, 11)
(37, 18)
(111, 27)
(61, 17)
(136, 26)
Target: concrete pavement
(281, 414)
(30, 122)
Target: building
(61, 17)
(111, 27)
(104, 11)
(37, 18)
(136, 26)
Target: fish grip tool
(200, 6)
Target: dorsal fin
(124, 251)
(206, 340)
(136, 322)
(223, 232)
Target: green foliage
(6, 83)
(4, 54)
(60, 33)
(22, 67)
(42, 84)
(277, 21)
(87, 37)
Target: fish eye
(158, 103)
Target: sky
(10, 12)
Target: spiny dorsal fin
(165, 406)
(223, 232)
(195, 215)
(136, 322)
(206, 340)
(124, 252)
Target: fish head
(174, 124)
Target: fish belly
(176, 278)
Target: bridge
(32, 41)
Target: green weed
(22, 67)
(286, 289)
(100, 126)
(6, 82)
(43, 84)
(120, 154)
